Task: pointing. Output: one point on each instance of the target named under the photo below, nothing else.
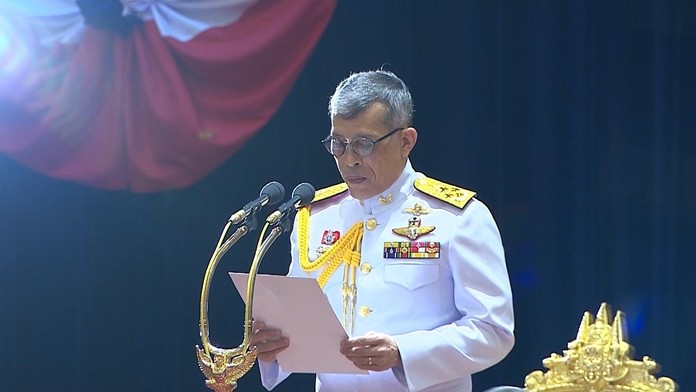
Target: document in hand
(298, 307)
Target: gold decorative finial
(584, 325)
(603, 313)
(620, 331)
(598, 360)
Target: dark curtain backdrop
(574, 121)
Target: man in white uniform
(413, 267)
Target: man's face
(371, 175)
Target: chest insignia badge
(417, 210)
(414, 229)
(330, 237)
(327, 239)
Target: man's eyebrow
(361, 133)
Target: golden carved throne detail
(599, 360)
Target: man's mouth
(355, 179)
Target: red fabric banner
(147, 113)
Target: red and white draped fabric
(145, 95)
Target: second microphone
(302, 195)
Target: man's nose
(350, 158)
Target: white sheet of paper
(298, 307)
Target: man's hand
(268, 341)
(374, 351)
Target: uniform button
(371, 224)
(365, 310)
(365, 268)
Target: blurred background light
(14, 51)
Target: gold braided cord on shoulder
(346, 249)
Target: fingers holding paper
(373, 351)
(268, 341)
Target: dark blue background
(574, 121)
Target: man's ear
(409, 136)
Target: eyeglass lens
(360, 146)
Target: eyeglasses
(361, 146)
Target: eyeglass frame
(327, 145)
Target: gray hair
(361, 90)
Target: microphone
(302, 195)
(271, 193)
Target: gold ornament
(414, 229)
(598, 360)
(385, 199)
(417, 210)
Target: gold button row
(366, 268)
(371, 224)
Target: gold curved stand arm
(223, 367)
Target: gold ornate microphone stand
(223, 367)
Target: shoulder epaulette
(331, 191)
(450, 194)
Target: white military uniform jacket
(444, 296)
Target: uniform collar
(398, 191)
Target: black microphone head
(274, 191)
(305, 191)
